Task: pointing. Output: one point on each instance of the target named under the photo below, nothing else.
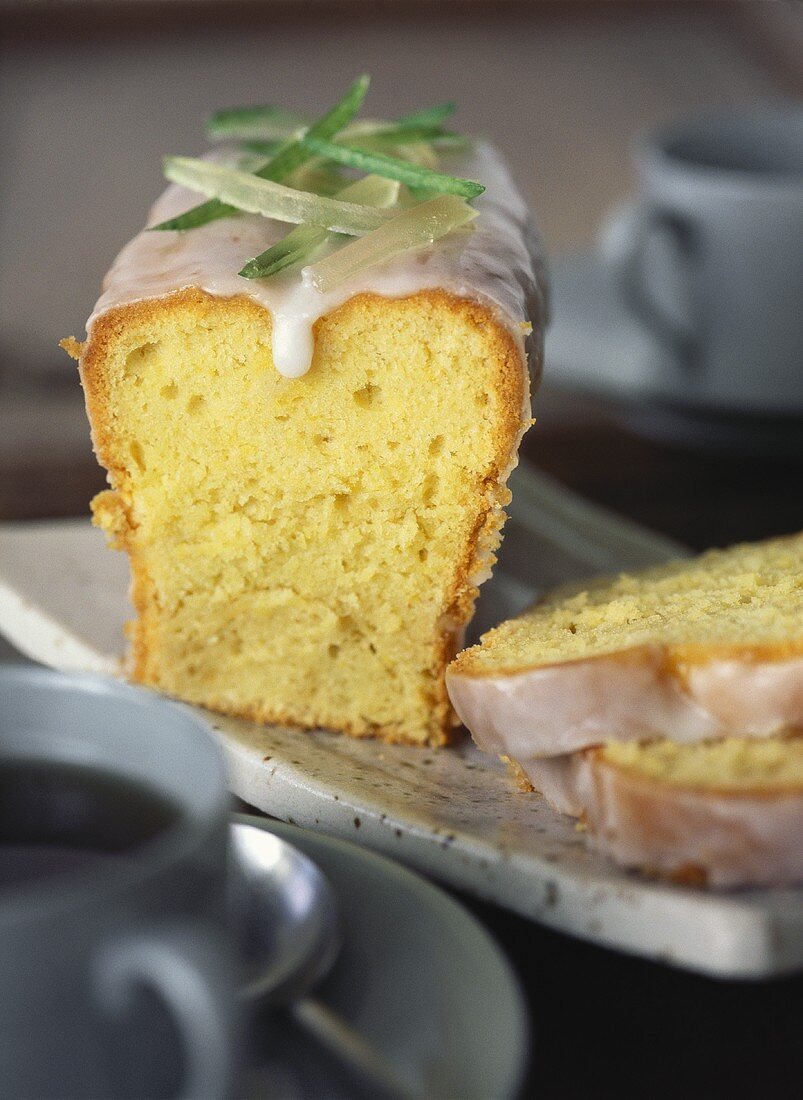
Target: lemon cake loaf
(309, 479)
(722, 813)
(692, 651)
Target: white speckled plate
(454, 814)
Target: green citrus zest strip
(265, 148)
(393, 167)
(395, 135)
(385, 138)
(428, 116)
(258, 122)
(412, 229)
(302, 242)
(268, 123)
(291, 156)
(253, 195)
(298, 246)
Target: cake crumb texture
(305, 551)
(725, 601)
(738, 764)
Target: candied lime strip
(415, 145)
(447, 140)
(414, 228)
(379, 136)
(266, 123)
(298, 246)
(261, 121)
(263, 147)
(372, 191)
(318, 176)
(393, 167)
(252, 195)
(390, 136)
(302, 242)
(291, 156)
(428, 116)
(419, 153)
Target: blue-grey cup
(119, 979)
(709, 258)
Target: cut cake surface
(691, 651)
(724, 813)
(307, 550)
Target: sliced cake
(693, 650)
(721, 813)
(308, 431)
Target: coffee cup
(117, 971)
(708, 258)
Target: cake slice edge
(114, 513)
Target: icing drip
(293, 344)
(497, 264)
(293, 320)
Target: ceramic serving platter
(454, 814)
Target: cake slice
(311, 485)
(690, 651)
(722, 813)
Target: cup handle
(623, 242)
(188, 966)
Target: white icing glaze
(496, 264)
(627, 696)
(742, 839)
(559, 780)
(757, 697)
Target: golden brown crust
(675, 660)
(696, 654)
(112, 510)
(487, 534)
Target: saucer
(596, 346)
(416, 975)
(593, 343)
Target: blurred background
(93, 94)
